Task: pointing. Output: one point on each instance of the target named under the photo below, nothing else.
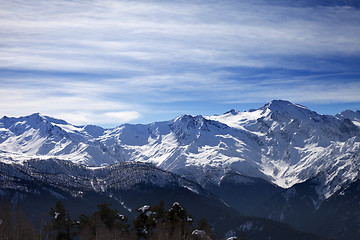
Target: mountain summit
(281, 142)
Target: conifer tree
(60, 227)
(202, 224)
(178, 222)
(105, 223)
(144, 222)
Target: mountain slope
(300, 206)
(127, 185)
(244, 193)
(38, 135)
(281, 142)
(281, 161)
(38, 184)
(351, 115)
(298, 143)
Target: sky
(108, 62)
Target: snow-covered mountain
(281, 142)
(353, 116)
(297, 144)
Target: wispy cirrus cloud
(91, 35)
(78, 103)
(125, 60)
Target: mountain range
(281, 161)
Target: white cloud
(100, 118)
(115, 35)
(76, 102)
(89, 61)
(301, 91)
(125, 116)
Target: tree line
(152, 223)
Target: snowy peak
(189, 121)
(188, 128)
(274, 111)
(288, 109)
(283, 105)
(29, 126)
(295, 143)
(232, 111)
(37, 135)
(351, 115)
(284, 116)
(94, 131)
(48, 127)
(281, 142)
(33, 121)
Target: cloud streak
(105, 57)
(151, 33)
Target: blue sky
(109, 62)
